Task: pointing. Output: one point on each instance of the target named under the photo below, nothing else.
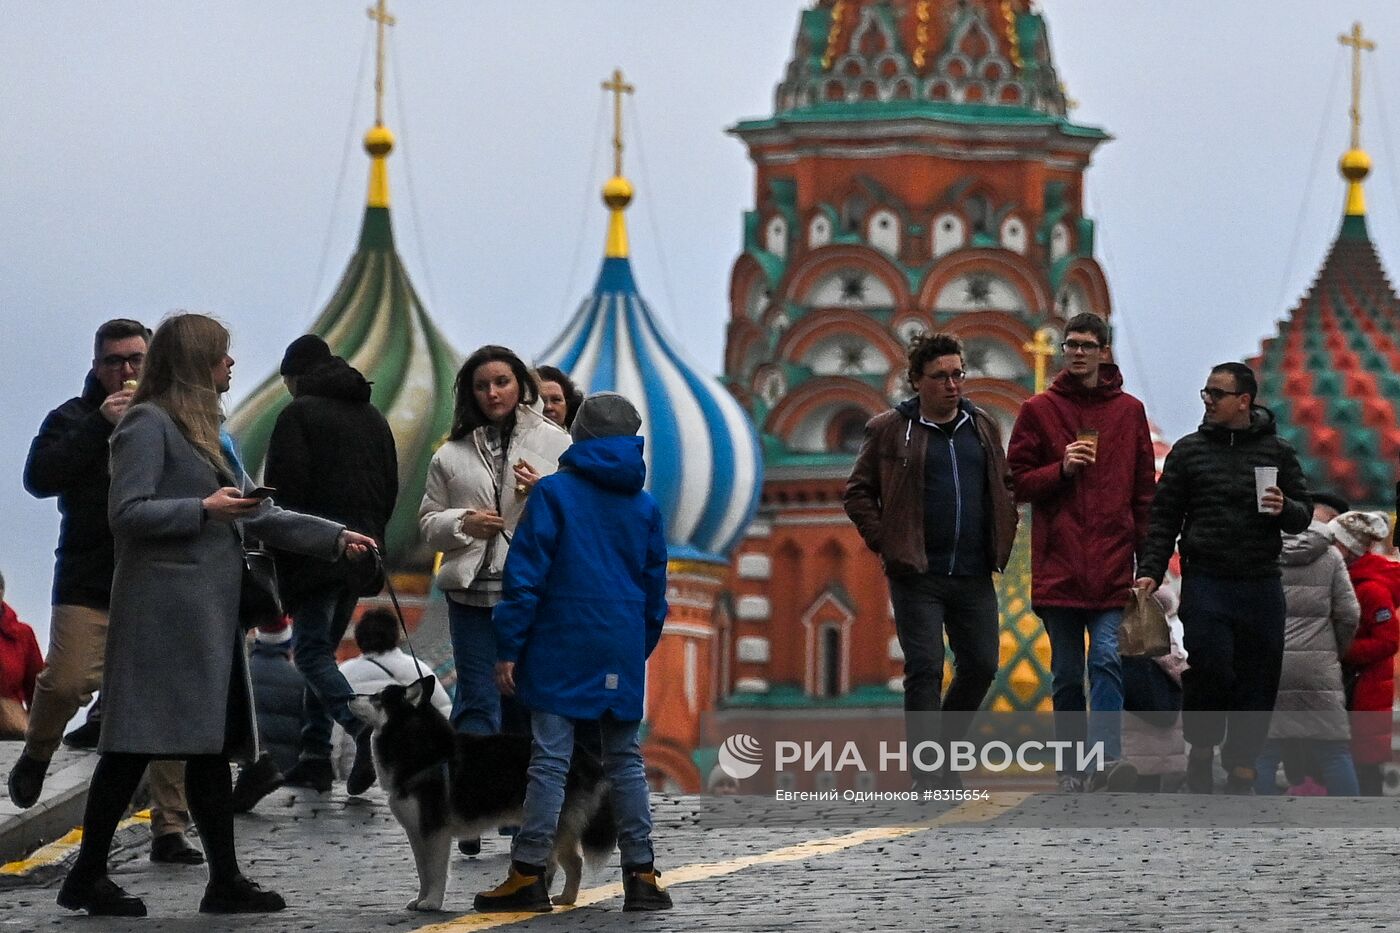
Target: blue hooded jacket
(585, 585)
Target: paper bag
(1144, 632)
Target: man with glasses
(1081, 455)
(1232, 604)
(931, 494)
(68, 460)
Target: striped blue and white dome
(704, 465)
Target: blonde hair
(178, 376)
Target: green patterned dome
(376, 321)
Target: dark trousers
(925, 607)
(1234, 645)
(208, 786)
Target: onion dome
(703, 460)
(1332, 373)
(376, 321)
(985, 53)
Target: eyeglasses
(1215, 395)
(117, 361)
(956, 375)
(1075, 346)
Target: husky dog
(442, 784)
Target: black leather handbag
(259, 602)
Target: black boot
(313, 773)
(255, 782)
(175, 849)
(642, 891)
(27, 780)
(85, 736)
(100, 898)
(361, 776)
(239, 896)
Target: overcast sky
(162, 155)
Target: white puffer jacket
(460, 478)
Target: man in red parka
(1081, 455)
(1371, 657)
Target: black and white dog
(443, 784)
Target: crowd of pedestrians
(1287, 604)
(158, 513)
(553, 568)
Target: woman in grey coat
(178, 511)
(1309, 724)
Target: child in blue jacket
(583, 605)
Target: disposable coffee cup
(1090, 435)
(1264, 477)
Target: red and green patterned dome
(1332, 374)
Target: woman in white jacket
(477, 486)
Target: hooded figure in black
(332, 455)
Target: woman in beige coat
(1309, 724)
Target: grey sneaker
(1071, 784)
(1117, 777)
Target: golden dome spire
(1355, 164)
(617, 190)
(379, 142)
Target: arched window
(829, 672)
(884, 232)
(819, 231)
(1060, 243)
(775, 236)
(949, 234)
(1013, 235)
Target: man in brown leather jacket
(931, 494)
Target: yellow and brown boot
(523, 890)
(642, 891)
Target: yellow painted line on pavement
(976, 811)
(56, 850)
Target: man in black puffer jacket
(1232, 607)
(331, 454)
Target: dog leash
(398, 610)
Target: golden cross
(1042, 348)
(381, 17)
(618, 87)
(1359, 43)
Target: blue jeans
(476, 704)
(318, 625)
(1066, 627)
(553, 748)
(1325, 758)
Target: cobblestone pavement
(1016, 862)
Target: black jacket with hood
(68, 459)
(1206, 495)
(332, 454)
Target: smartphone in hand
(261, 492)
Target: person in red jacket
(1081, 455)
(1371, 657)
(20, 660)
